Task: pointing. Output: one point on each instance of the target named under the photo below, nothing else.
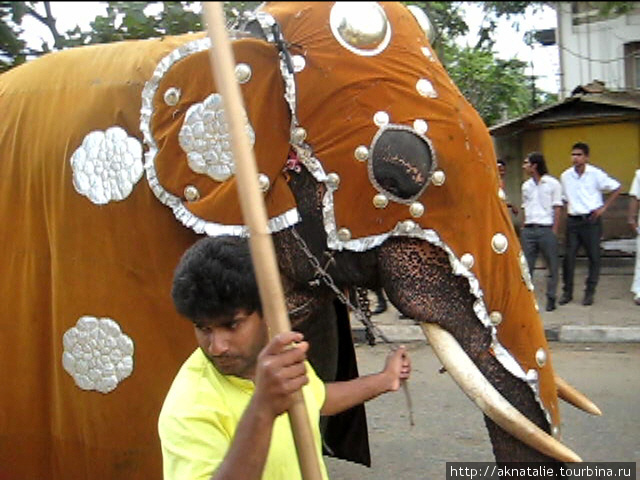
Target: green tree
(498, 88)
(123, 21)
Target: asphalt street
(449, 428)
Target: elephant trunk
(419, 281)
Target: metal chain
(323, 275)
(363, 300)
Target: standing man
(634, 222)
(223, 416)
(541, 204)
(502, 172)
(583, 186)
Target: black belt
(586, 216)
(536, 225)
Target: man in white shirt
(583, 186)
(634, 221)
(541, 204)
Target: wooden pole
(255, 217)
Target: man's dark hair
(215, 278)
(537, 159)
(581, 146)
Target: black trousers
(586, 233)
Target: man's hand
(597, 213)
(280, 371)
(344, 395)
(397, 367)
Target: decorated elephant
(376, 172)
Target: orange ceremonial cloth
(64, 256)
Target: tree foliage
(498, 88)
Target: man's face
(232, 343)
(528, 167)
(578, 158)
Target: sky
(510, 42)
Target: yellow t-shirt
(200, 415)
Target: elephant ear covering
(348, 101)
(190, 164)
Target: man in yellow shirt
(223, 416)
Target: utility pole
(534, 103)
(545, 38)
(529, 39)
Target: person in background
(381, 305)
(502, 171)
(541, 205)
(583, 186)
(634, 222)
(223, 415)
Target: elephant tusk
(474, 384)
(576, 398)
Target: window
(632, 65)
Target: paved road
(449, 428)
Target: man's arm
(557, 206)
(598, 213)
(280, 372)
(633, 213)
(341, 396)
(557, 211)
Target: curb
(394, 333)
(595, 334)
(563, 334)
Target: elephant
(376, 173)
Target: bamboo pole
(255, 217)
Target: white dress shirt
(584, 192)
(539, 200)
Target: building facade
(608, 121)
(597, 46)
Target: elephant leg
(320, 329)
(418, 279)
